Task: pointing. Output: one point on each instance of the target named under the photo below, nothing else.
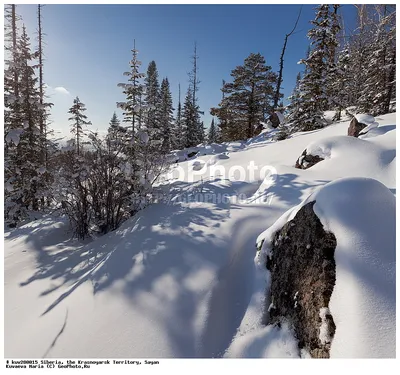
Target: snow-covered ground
(179, 279)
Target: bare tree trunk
(195, 57)
(43, 132)
(280, 75)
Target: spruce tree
(132, 107)
(294, 107)
(315, 83)
(166, 115)
(23, 168)
(79, 123)
(45, 132)
(377, 88)
(177, 138)
(153, 102)
(190, 120)
(191, 112)
(212, 133)
(201, 135)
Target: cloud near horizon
(62, 90)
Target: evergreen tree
(194, 133)
(114, 122)
(78, 119)
(191, 121)
(295, 104)
(166, 115)
(340, 83)
(247, 99)
(132, 107)
(153, 102)
(201, 135)
(46, 144)
(315, 83)
(212, 133)
(376, 90)
(222, 113)
(177, 138)
(23, 167)
(117, 134)
(12, 116)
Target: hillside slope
(178, 279)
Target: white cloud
(62, 90)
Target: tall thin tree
(278, 94)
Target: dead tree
(279, 83)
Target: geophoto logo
(199, 175)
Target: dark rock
(306, 161)
(355, 128)
(303, 274)
(274, 120)
(191, 154)
(282, 135)
(258, 129)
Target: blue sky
(88, 48)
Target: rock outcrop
(355, 128)
(306, 161)
(302, 268)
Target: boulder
(303, 274)
(306, 161)
(275, 121)
(355, 128)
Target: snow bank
(266, 342)
(365, 119)
(361, 214)
(144, 290)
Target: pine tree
(247, 99)
(166, 115)
(212, 133)
(319, 62)
(79, 123)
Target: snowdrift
(361, 214)
(178, 279)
